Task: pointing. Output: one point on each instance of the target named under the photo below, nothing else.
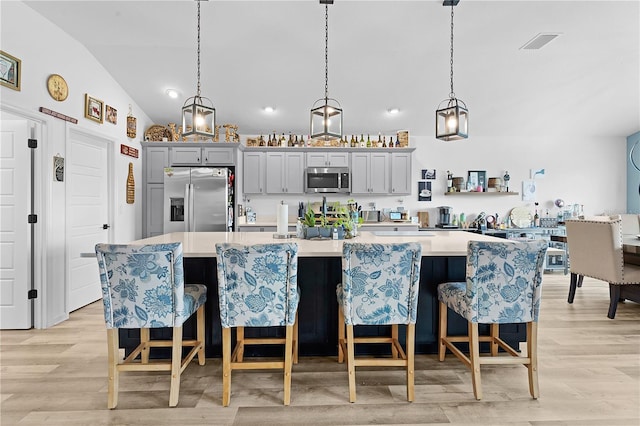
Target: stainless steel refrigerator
(197, 199)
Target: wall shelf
(481, 193)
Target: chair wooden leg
(474, 355)
(144, 339)
(495, 333)
(176, 366)
(341, 336)
(239, 344)
(200, 334)
(442, 331)
(296, 341)
(614, 297)
(394, 336)
(532, 353)
(113, 358)
(411, 335)
(351, 368)
(572, 287)
(288, 360)
(580, 278)
(226, 366)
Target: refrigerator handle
(187, 207)
(192, 219)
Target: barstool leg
(474, 355)
(442, 331)
(341, 336)
(351, 368)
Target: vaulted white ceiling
(382, 54)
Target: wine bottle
(362, 142)
(379, 141)
(397, 142)
(283, 141)
(368, 142)
(384, 141)
(391, 142)
(290, 141)
(295, 142)
(261, 143)
(536, 219)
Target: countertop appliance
(197, 199)
(327, 179)
(444, 218)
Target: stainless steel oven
(327, 179)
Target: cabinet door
(218, 156)
(360, 162)
(401, 173)
(253, 172)
(275, 172)
(155, 160)
(154, 217)
(186, 156)
(317, 159)
(294, 180)
(379, 173)
(338, 159)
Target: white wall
(589, 171)
(44, 49)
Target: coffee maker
(444, 218)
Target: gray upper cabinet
(186, 155)
(401, 173)
(284, 172)
(155, 160)
(370, 173)
(218, 156)
(327, 159)
(253, 176)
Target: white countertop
(264, 223)
(202, 244)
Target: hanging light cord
(326, 53)
(452, 94)
(198, 95)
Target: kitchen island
(319, 270)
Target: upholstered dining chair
(143, 288)
(503, 285)
(596, 251)
(257, 287)
(379, 287)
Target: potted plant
(325, 228)
(345, 220)
(309, 223)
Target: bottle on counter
(379, 141)
(397, 142)
(536, 219)
(391, 142)
(363, 144)
(261, 143)
(368, 145)
(283, 141)
(290, 142)
(384, 141)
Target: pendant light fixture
(326, 113)
(198, 119)
(452, 115)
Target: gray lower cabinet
(401, 173)
(284, 172)
(266, 228)
(154, 206)
(253, 176)
(370, 173)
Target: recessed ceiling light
(269, 109)
(172, 93)
(393, 111)
(539, 41)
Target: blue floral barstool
(257, 287)
(379, 287)
(143, 287)
(503, 286)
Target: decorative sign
(128, 150)
(58, 168)
(58, 115)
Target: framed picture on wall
(112, 114)
(10, 69)
(424, 191)
(93, 108)
(428, 174)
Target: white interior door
(15, 235)
(87, 188)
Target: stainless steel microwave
(327, 179)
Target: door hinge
(32, 294)
(32, 143)
(32, 218)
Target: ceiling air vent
(539, 41)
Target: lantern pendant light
(452, 115)
(198, 113)
(326, 113)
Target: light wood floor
(589, 375)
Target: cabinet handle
(206, 159)
(197, 160)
